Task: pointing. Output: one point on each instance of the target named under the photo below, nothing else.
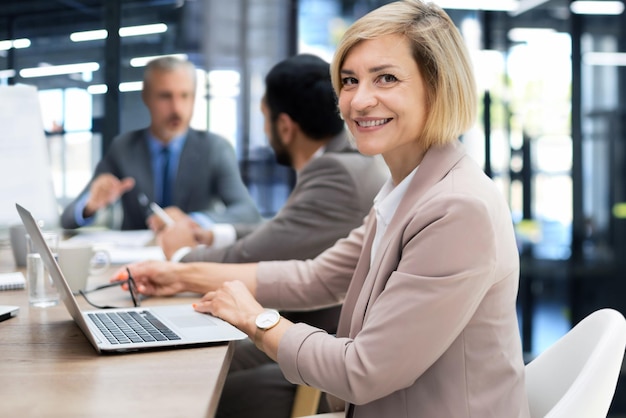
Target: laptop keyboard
(132, 327)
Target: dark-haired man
(335, 184)
(334, 190)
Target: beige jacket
(431, 329)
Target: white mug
(17, 234)
(79, 260)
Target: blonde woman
(429, 281)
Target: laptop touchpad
(193, 320)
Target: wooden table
(49, 369)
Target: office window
(540, 114)
(224, 88)
(67, 119)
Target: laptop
(169, 326)
(8, 312)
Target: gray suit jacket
(208, 172)
(430, 330)
(332, 195)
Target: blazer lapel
(189, 157)
(142, 165)
(437, 162)
(358, 278)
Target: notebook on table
(12, 281)
(118, 330)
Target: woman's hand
(233, 303)
(165, 278)
(154, 278)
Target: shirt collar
(320, 151)
(175, 145)
(389, 197)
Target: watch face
(267, 319)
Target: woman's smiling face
(383, 100)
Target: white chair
(576, 377)
(328, 415)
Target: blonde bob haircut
(440, 54)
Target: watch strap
(258, 338)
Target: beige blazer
(431, 329)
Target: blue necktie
(166, 192)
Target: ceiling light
(50, 70)
(92, 35)
(89, 35)
(97, 89)
(143, 30)
(605, 58)
(493, 5)
(597, 7)
(21, 43)
(528, 34)
(7, 73)
(131, 86)
(15, 43)
(142, 61)
(122, 87)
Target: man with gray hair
(335, 188)
(168, 163)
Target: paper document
(123, 246)
(138, 238)
(121, 255)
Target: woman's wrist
(191, 277)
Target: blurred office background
(552, 86)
